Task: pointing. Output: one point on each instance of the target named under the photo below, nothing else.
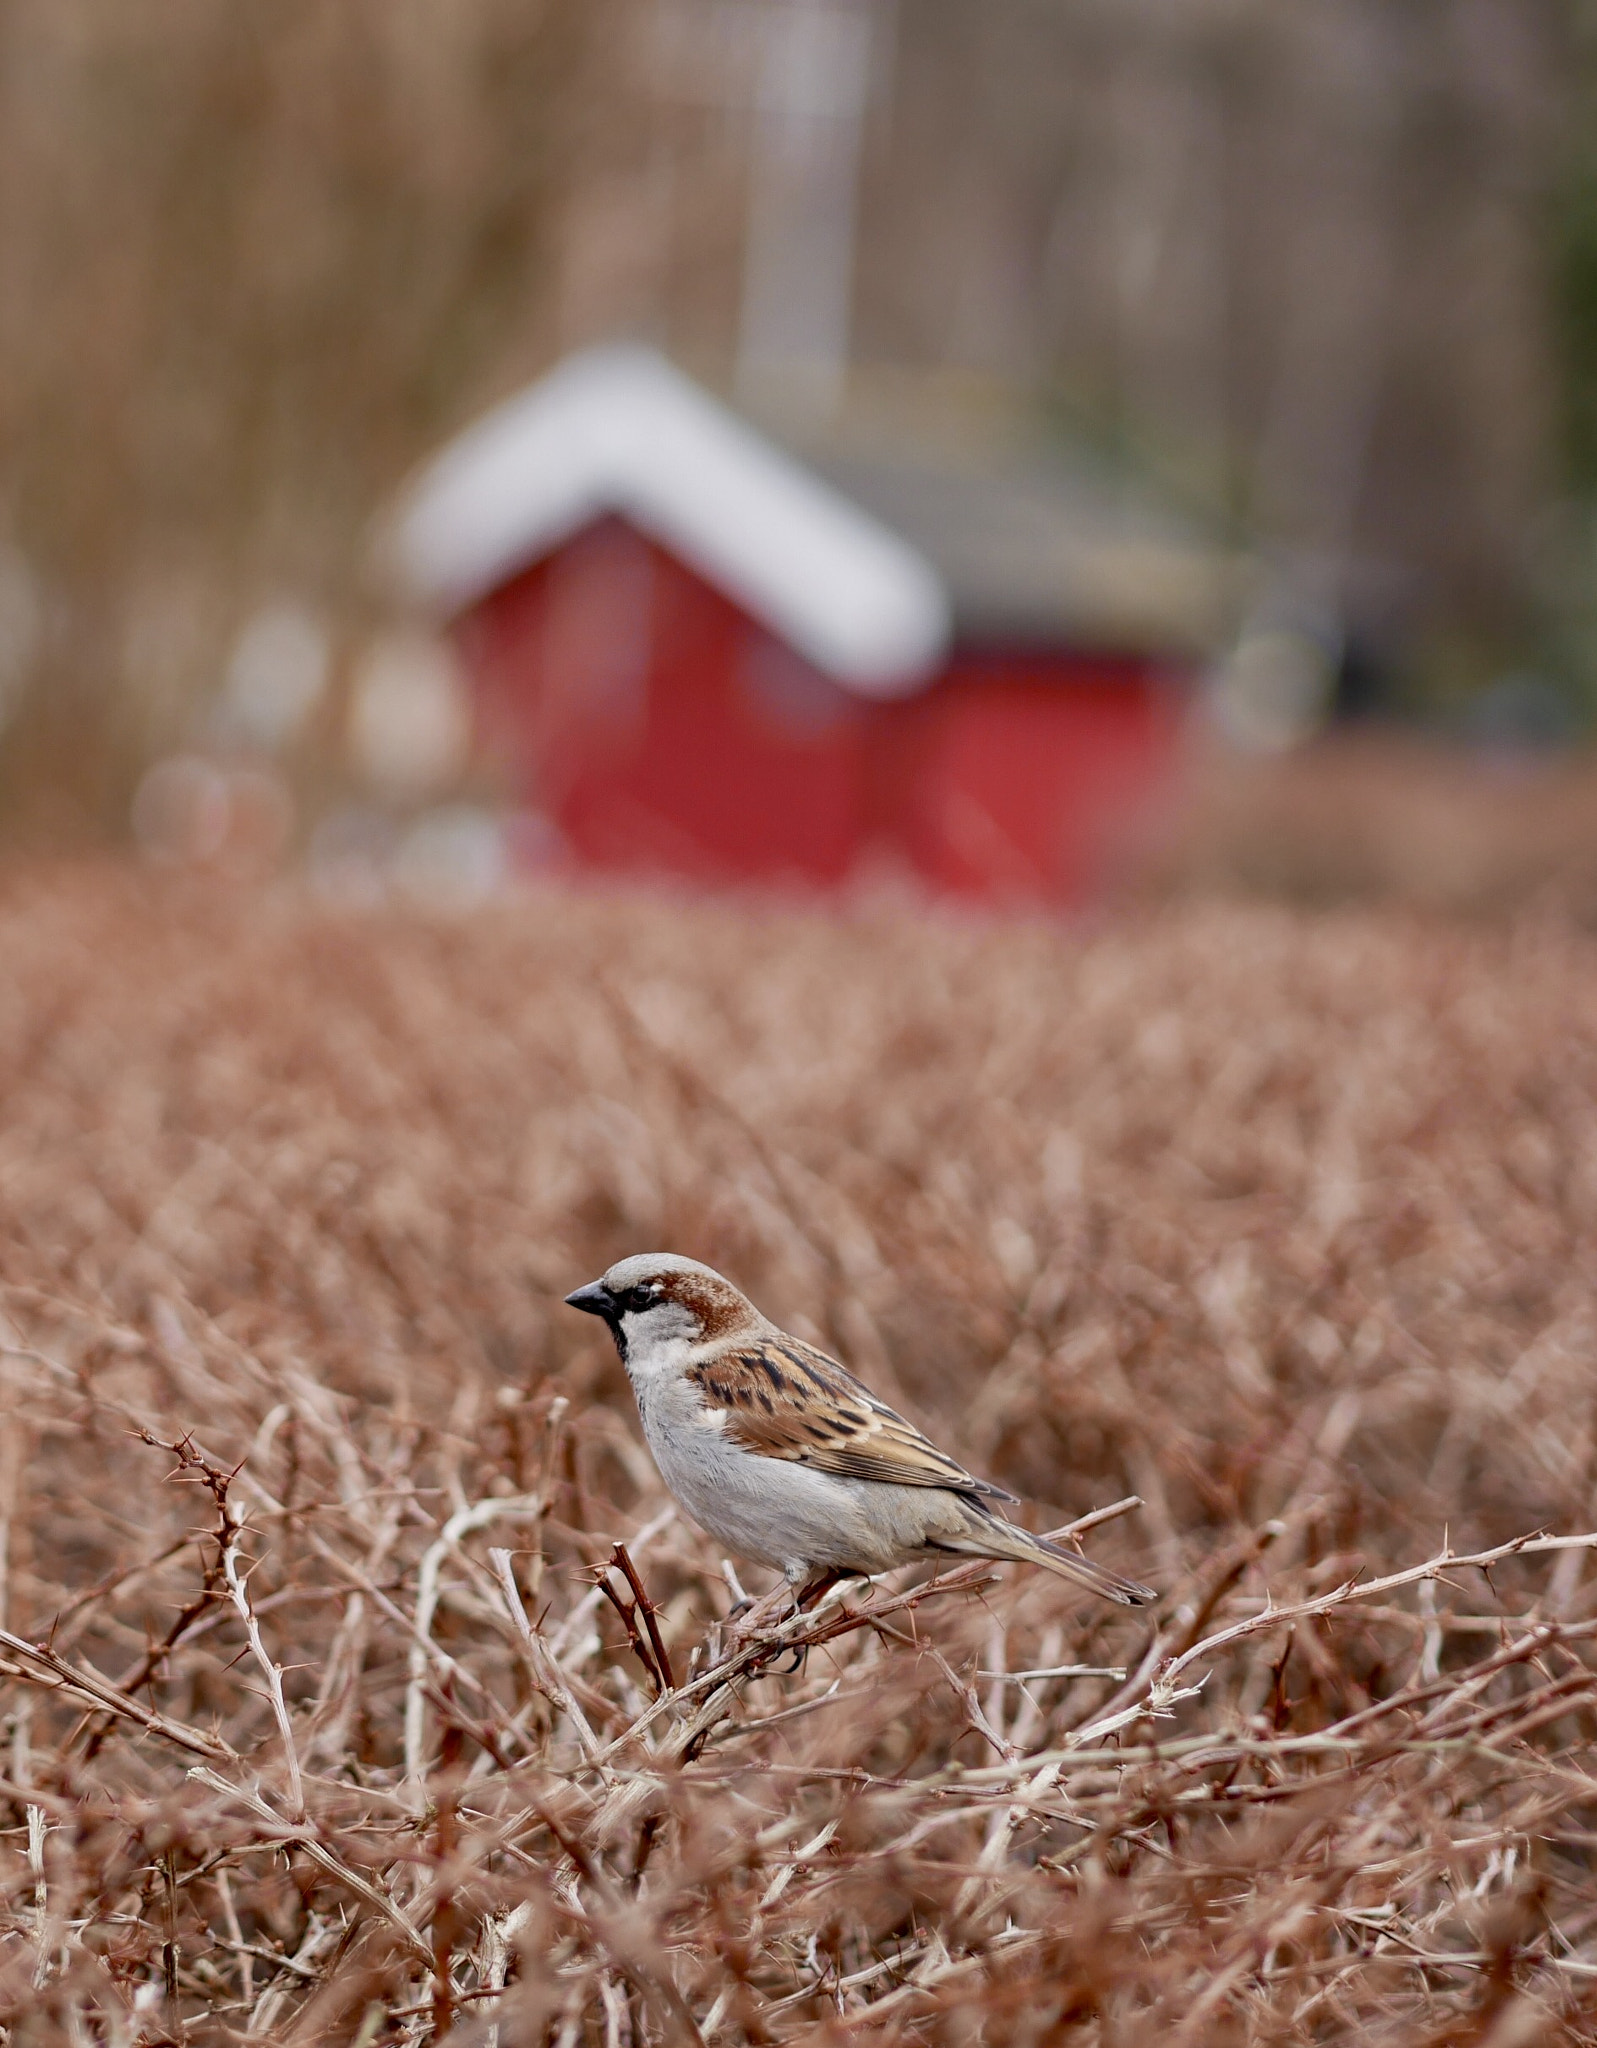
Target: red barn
(702, 657)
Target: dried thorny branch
(647, 1646)
(35, 1664)
(1319, 1293)
(218, 1483)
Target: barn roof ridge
(618, 429)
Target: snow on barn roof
(617, 430)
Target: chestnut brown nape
(717, 1304)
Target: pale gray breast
(694, 1457)
(770, 1509)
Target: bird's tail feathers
(996, 1538)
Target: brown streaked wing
(784, 1399)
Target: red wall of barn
(660, 728)
(1026, 774)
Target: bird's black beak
(594, 1300)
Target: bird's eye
(639, 1298)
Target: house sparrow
(782, 1455)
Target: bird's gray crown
(645, 1266)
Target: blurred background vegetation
(1328, 274)
(253, 261)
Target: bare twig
(465, 1521)
(33, 1664)
(304, 1837)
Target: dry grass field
(330, 1713)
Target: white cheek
(651, 1327)
(658, 1342)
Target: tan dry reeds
(335, 1711)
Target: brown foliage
(320, 1727)
(1376, 816)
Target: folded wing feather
(782, 1399)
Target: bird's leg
(803, 1595)
(805, 1598)
(748, 1616)
(741, 1600)
(811, 1595)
